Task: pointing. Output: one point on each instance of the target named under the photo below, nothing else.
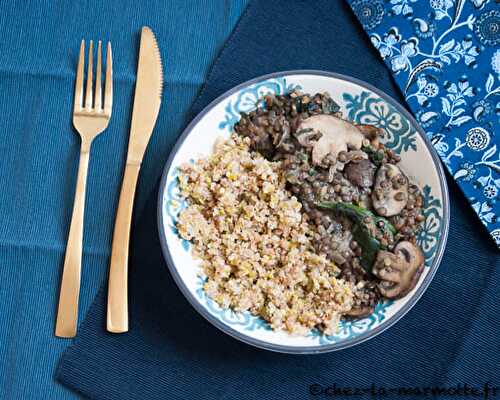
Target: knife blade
(147, 100)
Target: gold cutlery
(147, 99)
(89, 119)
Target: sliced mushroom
(390, 193)
(307, 137)
(336, 135)
(360, 311)
(372, 133)
(400, 271)
(341, 238)
(361, 173)
(356, 156)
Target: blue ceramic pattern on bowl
(174, 204)
(428, 237)
(350, 329)
(228, 316)
(363, 108)
(372, 110)
(247, 99)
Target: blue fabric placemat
(171, 352)
(445, 57)
(39, 154)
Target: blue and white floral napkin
(445, 56)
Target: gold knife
(147, 99)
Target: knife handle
(117, 319)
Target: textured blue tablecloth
(449, 337)
(39, 43)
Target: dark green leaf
(366, 229)
(374, 156)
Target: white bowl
(359, 102)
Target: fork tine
(98, 95)
(90, 67)
(108, 85)
(79, 78)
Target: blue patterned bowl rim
(317, 349)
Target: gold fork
(89, 120)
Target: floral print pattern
(369, 12)
(495, 62)
(445, 56)
(487, 28)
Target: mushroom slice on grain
(360, 311)
(361, 173)
(307, 137)
(336, 135)
(390, 193)
(355, 156)
(399, 271)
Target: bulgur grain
(255, 244)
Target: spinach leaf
(367, 228)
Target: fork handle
(67, 312)
(117, 319)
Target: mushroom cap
(390, 193)
(400, 271)
(361, 173)
(336, 135)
